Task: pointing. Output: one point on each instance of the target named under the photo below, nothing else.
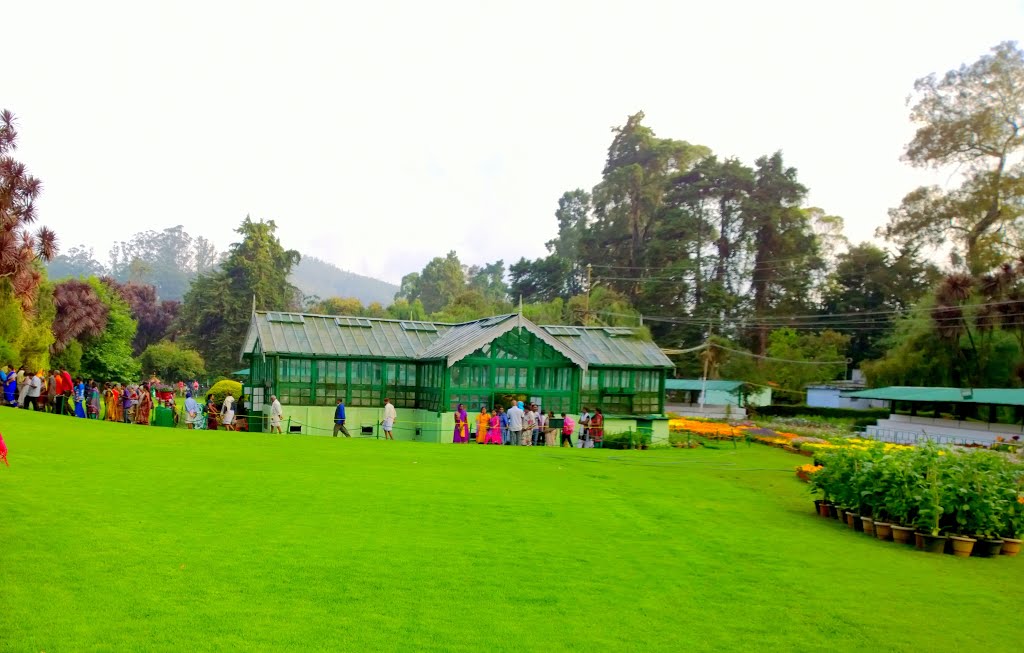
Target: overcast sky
(379, 135)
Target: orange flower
(1020, 499)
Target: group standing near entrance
(525, 425)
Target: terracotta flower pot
(850, 518)
(867, 525)
(824, 509)
(1011, 547)
(962, 546)
(987, 548)
(883, 530)
(933, 543)
(902, 534)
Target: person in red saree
(597, 427)
(145, 405)
(212, 414)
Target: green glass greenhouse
(428, 368)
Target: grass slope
(122, 538)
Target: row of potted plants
(934, 496)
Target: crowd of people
(526, 425)
(56, 391)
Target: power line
(772, 358)
(819, 316)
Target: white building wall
(823, 397)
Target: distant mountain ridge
(314, 276)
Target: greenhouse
(428, 368)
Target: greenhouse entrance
(516, 365)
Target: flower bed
(706, 428)
(804, 472)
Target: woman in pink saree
(461, 425)
(494, 429)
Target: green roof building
(428, 368)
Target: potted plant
(986, 495)
(847, 495)
(1014, 527)
(823, 481)
(870, 487)
(962, 482)
(929, 497)
(899, 501)
(883, 479)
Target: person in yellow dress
(483, 421)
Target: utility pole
(707, 362)
(586, 313)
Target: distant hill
(315, 277)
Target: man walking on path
(515, 424)
(339, 419)
(389, 419)
(275, 414)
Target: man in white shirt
(390, 415)
(227, 413)
(515, 423)
(584, 427)
(275, 414)
(35, 388)
(529, 424)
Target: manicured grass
(123, 538)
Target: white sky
(381, 135)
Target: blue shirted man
(339, 419)
(503, 425)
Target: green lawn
(123, 538)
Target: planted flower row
(938, 497)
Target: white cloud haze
(379, 135)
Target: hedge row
(818, 411)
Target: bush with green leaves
(172, 362)
(221, 389)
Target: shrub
(221, 389)
(625, 440)
(171, 362)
